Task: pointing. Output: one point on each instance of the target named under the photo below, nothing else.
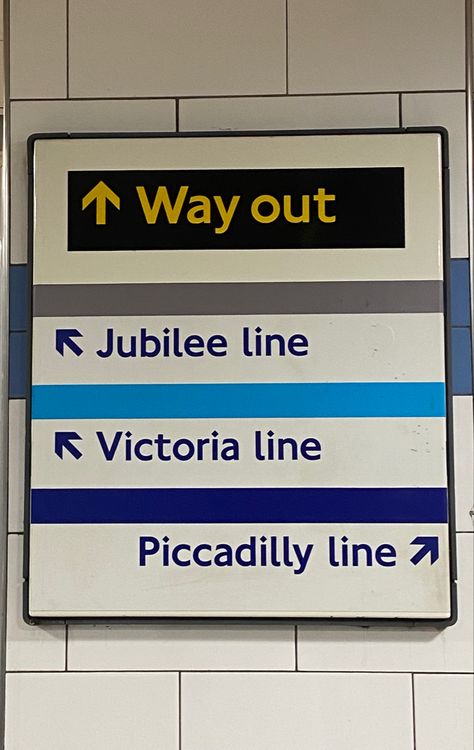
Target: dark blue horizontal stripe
(245, 400)
(241, 505)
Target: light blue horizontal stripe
(244, 400)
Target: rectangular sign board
(239, 398)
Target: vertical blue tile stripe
(18, 365)
(460, 292)
(18, 298)
(461, 361)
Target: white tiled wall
(375, 45)
(290, 112)
(330, 711)
(84, 711)
(177, 48)
(444, 717)
(38, 44)
(93, 65)
(16, 464)
(463, 462)
(181, 647)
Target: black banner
(236, 209)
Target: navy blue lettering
(138, 449)
(148, 545)
(385, 554)
(109, 453)
(175, 555)
(217, 346)
(145, 340)
(298, 341)
(196, 555)
(311, 449)
(223, 559)
(194, 345)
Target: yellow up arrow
(101, 193)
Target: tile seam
(249, 672)
(180, 711)
(413, 709)
(287, 42)
(203, 97)
(67, 49)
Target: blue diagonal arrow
(64, 337)
(429, 546)
(62, 440)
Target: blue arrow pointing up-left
(429, 546)
(64, 337)
(62, 441)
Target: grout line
(296, 648)
(239, 671)
(277, 94)
(66, 647)
(179, 713)
(413, 709)
(177, 115)
(67, 49)
(400, 111)
(286, 45)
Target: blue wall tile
(460, 297)
(18, 298)
(461, 361)
(18, 365)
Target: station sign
(239, 398)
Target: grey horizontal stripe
(260, 298)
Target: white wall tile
(93, 712)
(463, 462)
(448, 110)
(180, 647)
(16, 464)
(368, 45)
(37, 49)
(71, 116)
(28, 647)
(286, 113)
(176, 48)
(420, 649)
(444, 707)
(296, 711)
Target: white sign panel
(239, 401)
